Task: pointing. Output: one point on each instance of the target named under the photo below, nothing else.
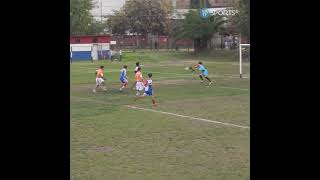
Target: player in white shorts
(135, 71)
(139, 81)
(123, 77)
(99, 79)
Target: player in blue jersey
(204, 73)
(123, 77)
(148, 91)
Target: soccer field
(196, 132)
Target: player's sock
(201, 78)
(208, 79)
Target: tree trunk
(137, 45)
(197, 45)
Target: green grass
(112, 141)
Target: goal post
(241, 48)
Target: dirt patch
(89, 87)
(103, 149)
(81, 88)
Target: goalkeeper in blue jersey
(204, 73)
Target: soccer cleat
(94, 91)
(201, 81)
(104, 89)
(210, 83)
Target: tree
(117, 22)
(200, 30)
(241, 22)
(96, 27)
(141, 17)
(81, 20)
(244, 19)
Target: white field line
(115, 70)
(226, 76)
(168, 113)
(159, 79)
(186, 76)
(189, 117)
(225, 87)
(232, 76)
(191, 61)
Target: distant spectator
(120, 55)
(71, 57)
(156, 45)
(111, 55)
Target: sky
(107, 7)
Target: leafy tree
(200, 30)
(81, 20)
(118, 23)
(241, 22)
(141, 17)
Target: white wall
(87, 47)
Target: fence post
(240, 55)
(91, 54)
(71, 55)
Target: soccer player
(136, 68)
(99, 79)
(120, 55)
(148, 90)
(139, 81)
(204, 73)
(123, 77)
(135, 71)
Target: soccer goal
(244, 56)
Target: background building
(89, 47)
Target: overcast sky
(107, 6)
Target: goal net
(244, 59)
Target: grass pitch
(112, 141)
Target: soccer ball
(187, 68)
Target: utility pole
(101, 10)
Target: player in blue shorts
(204, 73)
(148, 91)
(123, 77)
